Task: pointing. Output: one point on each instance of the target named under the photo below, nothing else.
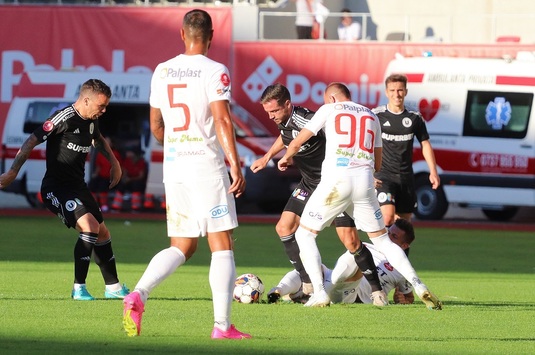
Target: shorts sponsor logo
(342, 162)
(219, 211)
(70, 205)
(316, 215)
(378, 214)
(300, 194)
(78, 201)
(63, 220)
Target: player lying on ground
(345, 283)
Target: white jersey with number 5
(183, 88)
(352, 132)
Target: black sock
(292, 250)
(364, 260)
(82, 255)
(105, 259)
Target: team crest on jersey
(91, 127)
(407, 122)
(48, 126)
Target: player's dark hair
(407, 227)
(396, 78)
(198, 23)
(96, 86)
(276, 92)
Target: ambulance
(481, 121)
(126, 122)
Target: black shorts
(397, 190)
(70, 204)
(296, 204)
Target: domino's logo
(266, 74)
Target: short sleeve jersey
(69, 139)
(309, 158)
(183, 88)
(398, 132)
(352, 133)
(389, 277)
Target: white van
(481, 120)
(126, 122)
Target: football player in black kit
(290, 119)
(70, 133)
(399, 126)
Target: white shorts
(352, 194)
(195, 208)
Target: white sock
(345, 267)
(114, 287)
(290, 283)
(310, 256)
(222, 277)
(160, 267)
(76, 287)
(398, 259)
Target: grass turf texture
(485, 279)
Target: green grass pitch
(486, 280)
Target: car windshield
(247, 125)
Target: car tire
(432, 204)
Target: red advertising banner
(306, 68)
(94, 40)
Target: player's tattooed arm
(24, 152)
(22, 155)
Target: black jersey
(310, 157)
(398, 132)
(69, 139)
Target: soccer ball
(248, 288)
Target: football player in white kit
(353, 153)
(190, 116)
(345, 283)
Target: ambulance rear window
(38, 112)
(497, 114)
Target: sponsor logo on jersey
(397, 137)
(407, 122)
(387, 124)
(179, 73)
(76, 131)
(78, 148)
(48, 126)
(70, 205)
(389, 267)
(219, 211)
